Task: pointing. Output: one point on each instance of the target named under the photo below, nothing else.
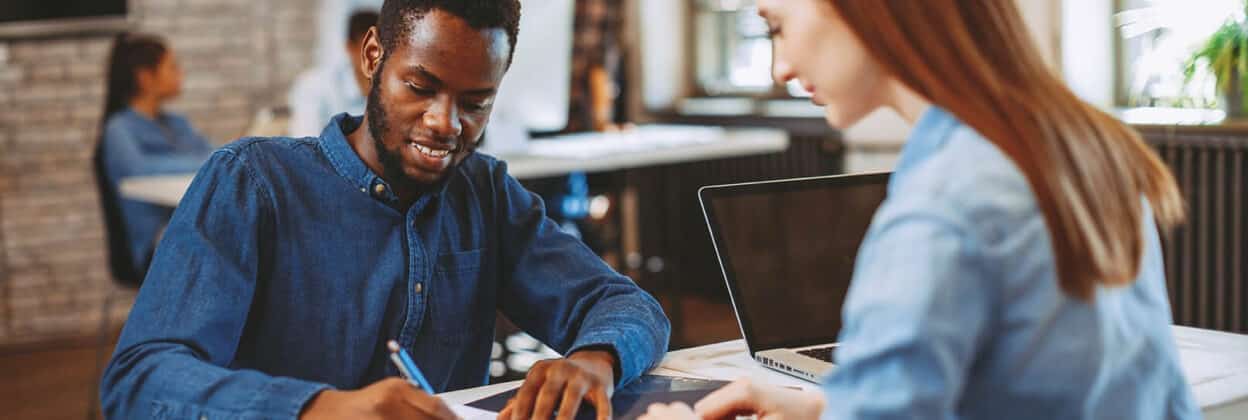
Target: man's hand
(563, 383)
(392, 398)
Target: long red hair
(1088, 170)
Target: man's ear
(371, 49)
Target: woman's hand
(768, 402)
(673, 411)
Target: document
(472, 413)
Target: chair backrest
(120, 262)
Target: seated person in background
(291, 262)
(321, 93)
(140, 138)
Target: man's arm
(186, 323)
(563, 294)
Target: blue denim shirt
(955, 312)
(288, 265)
(135, 145)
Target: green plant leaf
(1242, 58)
(1226, 55)
(1223, 62)
(1242, 52)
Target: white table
(1215, 364)
(591, 152)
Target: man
(291, 262)
(320, 93)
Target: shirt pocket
(458, 297)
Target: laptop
(786, 249)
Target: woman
(140, 138)
(1014, 271)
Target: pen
(407, 366)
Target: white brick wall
(238, 55)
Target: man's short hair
(397, 17)
(358, 24)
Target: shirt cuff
(634, 358)
(287, 396)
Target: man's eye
(476, 107)
(419, 90)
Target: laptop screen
(787, 249)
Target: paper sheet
(472, 413)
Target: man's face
(431, 95)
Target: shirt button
(419, 287)
(380, 189)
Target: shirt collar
(333, 143)
(929, 135)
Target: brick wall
(238, 55)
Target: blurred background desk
(647, 146)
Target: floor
(52, 380)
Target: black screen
(789, 249)
(34, 10)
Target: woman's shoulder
(121, 124)
(970, 182)
(119, 119)
(175, 119)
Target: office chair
(120, 265)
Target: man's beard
(391, 163)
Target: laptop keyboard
(821, 353)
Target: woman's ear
(144, 78)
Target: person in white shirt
(330, 89)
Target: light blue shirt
(136, 145)
(955, 311)
(321, 93)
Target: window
(733, 52)
(1156, 37)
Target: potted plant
(1225, 54)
